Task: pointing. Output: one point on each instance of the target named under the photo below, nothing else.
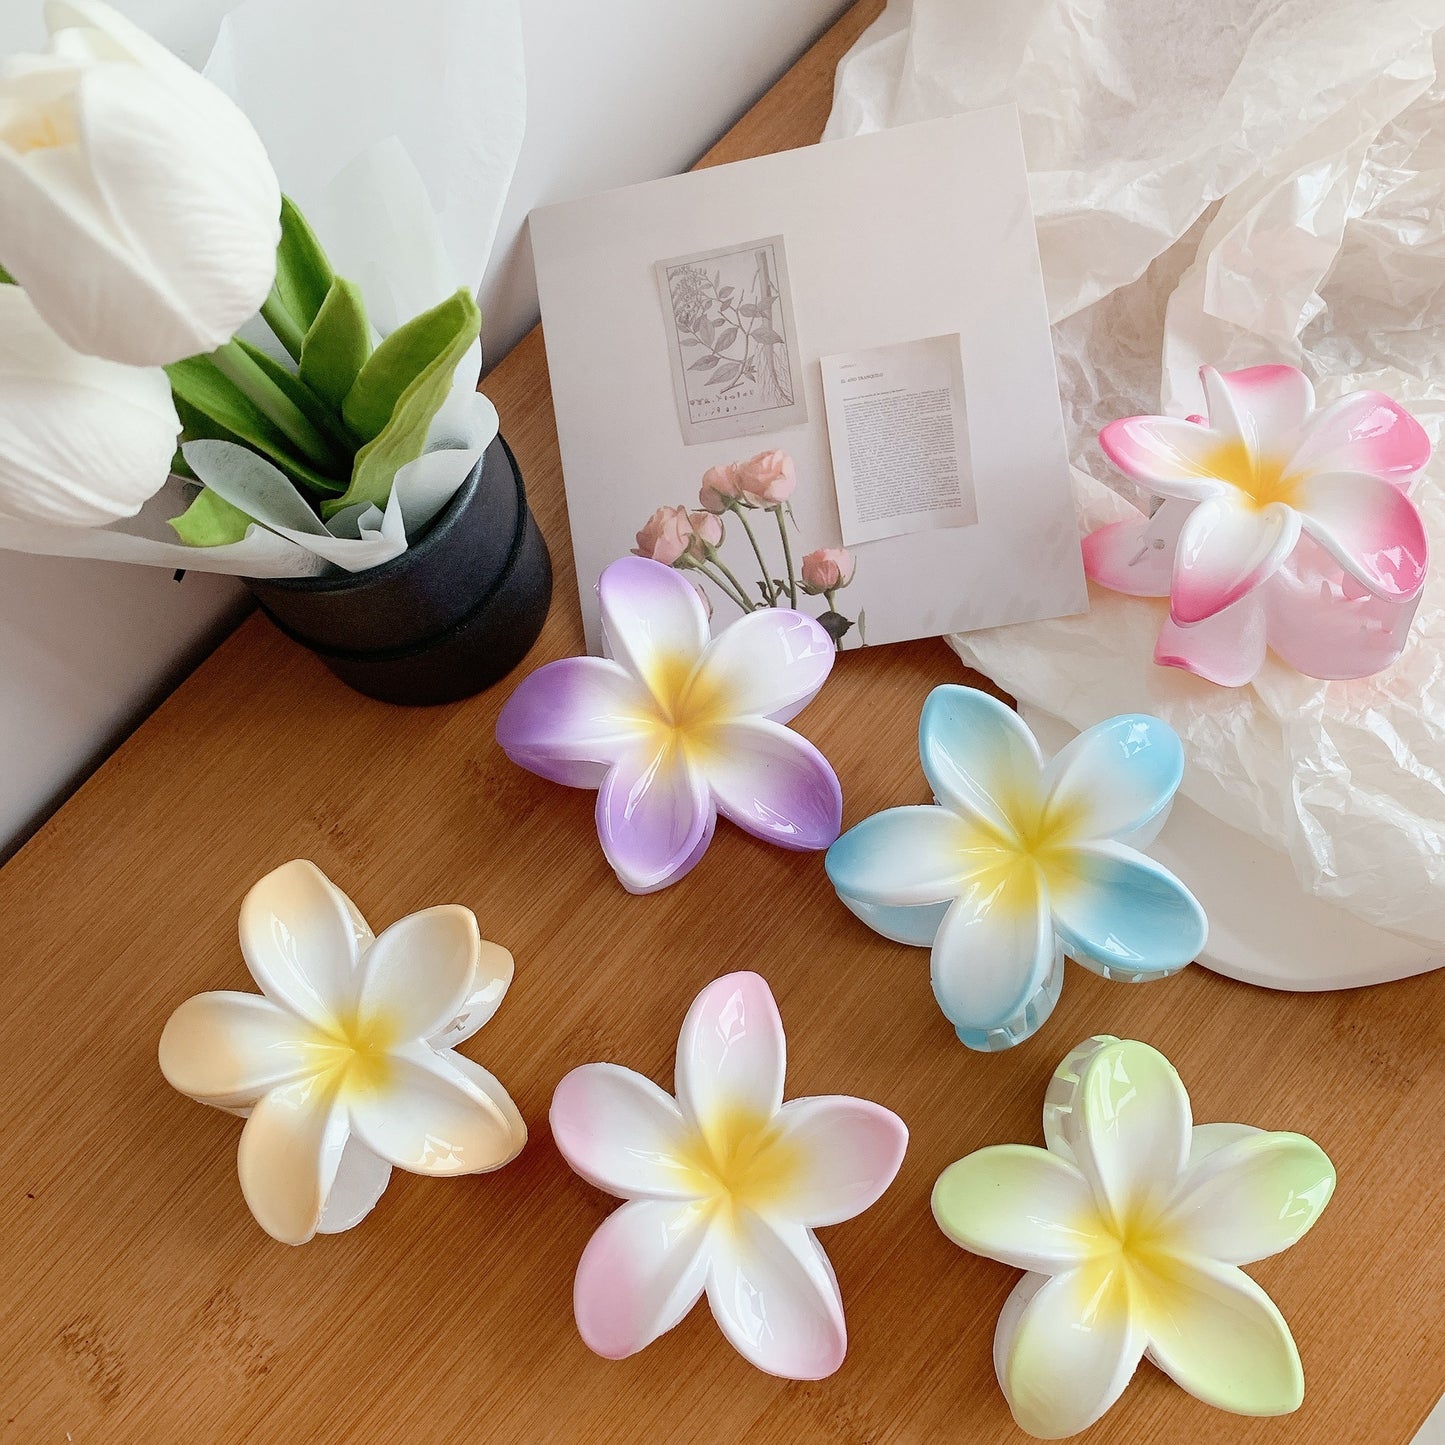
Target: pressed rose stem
(732, 593)
(727, 572)
(758, 553)
(777, 511)
(253, 383)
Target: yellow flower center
(1137, 1266)
(357, 1051)
(38, 128)
(1262, 479)
(1035, 851)
(685, 706)
(739, 1159)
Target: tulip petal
(428, 1117)
(1364, 432)
(492, 978)
(289, 1155)
(228, 1049)
(361, 1180)
(977, 754)
(621, 1133)
(1226, 549)
(775, 1296)
(1123, 912)
(571, 720)
(653, 622)
(731, 1053)
(773, 784)
(1251, 1198)
(1021, 1206)
(1116, 776)
(653, 812)
(994, 949)
(643, 1269)
(299, 942)
(1228, 648)
(769, 663)
(1133, 1135)
(1171, 457)
(417, 975)
(1065, 1349)
(848, 1152)
(1268, 406)
(1372, 529)
(1137, 557)
(903, 857)
(1216, 1333)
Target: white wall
(618, 91)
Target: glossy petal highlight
(1226, 550)
(1167, 456)
(654, 621)
(732, 1053)
(960, 723)
(848, 1152)
(1116, 776)
(770, 663)
(1371, 529)
(653, 810)
(903, 857)
(774, 784)
(227, 1049)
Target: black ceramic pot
(457, 611)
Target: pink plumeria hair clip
(1282, 527)
(674, 726)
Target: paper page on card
(898, 433)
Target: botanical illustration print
(732, 339)
(735, 495)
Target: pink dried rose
(721, 488)
(827, 569)
(767, 479)
(672, 533)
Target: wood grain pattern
(141, 1303)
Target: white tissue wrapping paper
(397, 130)
(1234, 183)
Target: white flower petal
(653, 621)
(417, 975)
(977, 754)
(993, 950)
(1065, 1349)
(299, 941)
(489, 986)
(1216, 1333)
(1166, 455)
(1021, 1206)
(773, 784)
(906, 857)
(655, 816)
(361, 1180)
(429, 1117)
(1134, 1132)
(1251, 1198)
(1116, 776)
(1267, 407)
(621, 1133)
(847, 1152)
(1226, 549)
(228, 1049)
(288, 1157)
(731, 1053)
(642, 1271)
(769, 664)
(774, 1295)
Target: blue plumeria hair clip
(1020, 861)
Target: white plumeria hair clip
(345, 1065)
(724, 1185)
(1132, 1223)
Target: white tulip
(141, 212)
(83, 441)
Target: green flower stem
(727, 572)
(253, 383)
(283, 324)
(777, 511)
(763, 567)
(732, 591)
(6, 279)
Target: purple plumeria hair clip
(674, 726)
(1282, 527)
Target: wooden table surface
(142, 1303)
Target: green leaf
(338, 344)
(210, 521)
(315, 410)
(6, 279)
(402, 438)
(303, 274)
(406, 355)
(210, 406)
